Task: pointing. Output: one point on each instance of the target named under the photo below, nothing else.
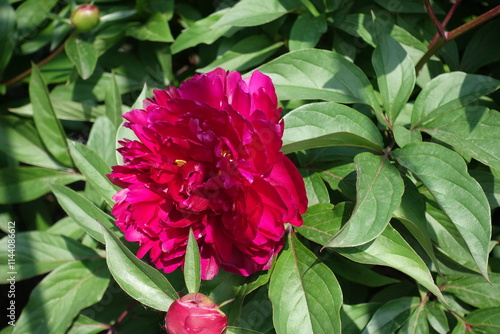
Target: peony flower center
(225, 153)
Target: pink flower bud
(195, 313)
(85, 18)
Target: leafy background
(401, 166)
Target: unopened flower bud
(195, 313)
(85, 18)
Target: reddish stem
(113, 328)
(40, 63)
(434, 19)
(446, 20)
(455, 33)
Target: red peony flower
(195, 313)
(208, 158)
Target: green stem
(455, 33)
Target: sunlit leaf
(40, 252)
(94, 169)
(379, 191)
(60, 296)
(315, 187)
(306, 31)
(23, 184)
(328, 124)
(192, 269)
(475, 290)
(319, 74)
(141, 281)
(245, 54)
(355, 317)
(395, 74)
(83, 212)
(83, 55)
(156, 29)
(392, 315)
(472, 130)
(448, 92)
(484, 320)
(202, 31)
(49, 128)
(247, 13)
(444, 173)
(311, 301)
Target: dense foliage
(391, 116)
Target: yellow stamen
(180, 162)
(225, 153)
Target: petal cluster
(207, 157)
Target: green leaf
(322, 221)
(102, 140)
(312, 299)
(354, 272)
(94, 169)
(19, 140)
(141, 281)
(446, 235)
(319, 74)
(49, 128)
(379, 191)
(475, 290)
(23, 184)
(246, 53)
(490, 184)
(315, 187)
(236, 311)
(484, 320)
(392, 315)
(390, 249)
(355, 317)
(472, 130)
(449, 92)
(114, 103)
(39, 252)
(417, 322)
(68, 227)
(192, 269)
(411, 212)
(31, 14)
(395, 74)
(61, 295)
(156, 29)
(124, 132)
(306, 31)
(202, 31)
(403, 136)
(436, 317)
(257, 312)
(86, 325)
(444, 174)
(65, 109)
(83, 212)
(248, 13)
(7, 29)
(408, 6)
(328, 124)
(83, 55)
(341, 176)
(238, 330)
